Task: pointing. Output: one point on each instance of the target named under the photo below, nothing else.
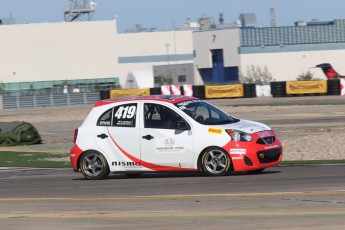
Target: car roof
(166, 98)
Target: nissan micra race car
(170, 133)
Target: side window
(105, 118)
(119, 116)
(160, 117)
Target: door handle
(148, 137)
(102, 136)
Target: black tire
(104, 94)
(255, 171)
(199, 91)
(249, 90)
(215, 162)
(278, 89)
(94, 166)
(155, 91)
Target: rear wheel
(94, 166)
(215, 162)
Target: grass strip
(34, 160)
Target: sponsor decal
(267, 133)
(213, 130)
(124, 123)
(168, 145)
(302, 87)
(271, 147)
(235, 90)
(125, 163)
(237, 158)
(169, 142)
(104, 123)
(238, 151)
(129, 92)
(189, 133)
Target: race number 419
(125, 112)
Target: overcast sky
(163, 14)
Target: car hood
(247, 126)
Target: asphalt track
(285, 197)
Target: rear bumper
(75, 153)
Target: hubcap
(92, 165)
(215, 161)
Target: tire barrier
(333, 87)
(278, 88)
(18, 133)
(199, 91)
(104, 94)
(249, 90)
(155, 91)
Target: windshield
(205, 113)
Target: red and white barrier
(165, 90)
(188, 90)
(175, 89)
(342, 86)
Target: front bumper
(262, 152)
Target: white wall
(152, 44)
(87, 50)
(288, 65)
(57, 51)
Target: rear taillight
(75, 135)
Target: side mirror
(182, 125)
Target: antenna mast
(80, 10)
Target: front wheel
(215, 162)
(255, 171)
(94, 166)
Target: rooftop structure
(79, 10)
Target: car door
(117, 136)
(163, 147)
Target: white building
(33, 54)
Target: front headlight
(239, 135)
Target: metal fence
(11, 101)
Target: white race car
(170, 133)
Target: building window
(182, 78)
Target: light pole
(168, 62)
